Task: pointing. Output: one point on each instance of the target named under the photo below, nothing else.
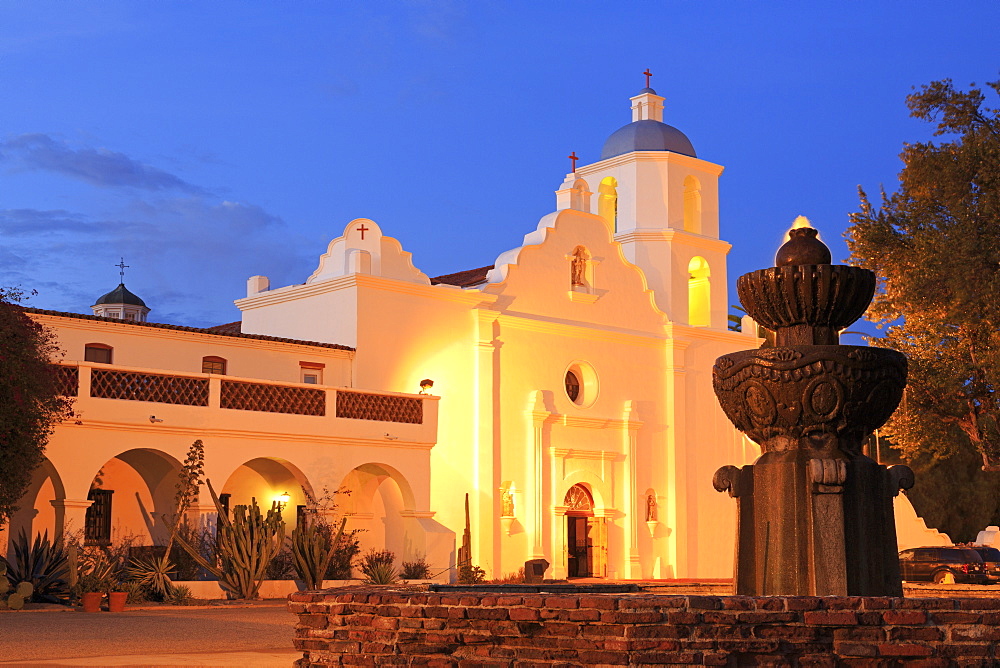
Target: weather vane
(121, 269)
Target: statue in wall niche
(815, 514)
(650, 507)
(578, 267)
(507, 503)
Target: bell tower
(662, 202)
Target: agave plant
(380, 574)
(377, 567)
(41, 563)
(153, 573)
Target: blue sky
(208, 142)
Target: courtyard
(258, 634)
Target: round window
(572, 385)
(581, 384)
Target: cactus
(22, 592)
(313, 548)
(247, 543)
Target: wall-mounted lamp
(425, 385)
(283, 500)
(154, 419)
(390, 437)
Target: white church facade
(571, 394)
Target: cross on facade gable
(121, 269)
(648, 74)
(572, 156)
(362, 230)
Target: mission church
(566, 389)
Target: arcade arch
(269, 480)
(380, 501)
(38, 513)
(131, 493)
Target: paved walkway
(256, 635)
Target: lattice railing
(382, 407)
(67, 380)
(272, 398)
(132, 386)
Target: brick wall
(386, 626)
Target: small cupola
(121, 302)
(647, 131)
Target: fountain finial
(802, 247)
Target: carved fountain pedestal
(815, 513)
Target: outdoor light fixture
(283, 500)
(425, 385)
(154, 419)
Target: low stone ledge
(403, 626)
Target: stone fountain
(815, 513)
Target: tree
(935, 245)
(30, 403)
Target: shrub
(416, 570)
(517, 577)
(471, 574)
(343, 556)
(202, 539)
(282, 566)
(137, 593)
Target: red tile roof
(464, 279)
(231, 329)
(228, 328)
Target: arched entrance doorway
(586, 536)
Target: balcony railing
(163, 389)
(264, 397)
(273, 398)
(385, 407)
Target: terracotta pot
(116, 601)
(92, 601)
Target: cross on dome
(648, 74)
(121, 269)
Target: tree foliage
(935, 245)
(30, 405)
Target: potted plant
(116, 579)
(95, 579)
(91, 588)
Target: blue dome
(647, 136)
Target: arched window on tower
(607, 201)
(580, 268)
(692, 205)
(699, 293)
